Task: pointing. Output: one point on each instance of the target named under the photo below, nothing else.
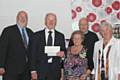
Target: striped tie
(24, 37)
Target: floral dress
(75, 65)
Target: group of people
(23, 56)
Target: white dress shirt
(47, 33)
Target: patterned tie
(24, 37)
(49, 41)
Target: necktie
(24, 38)
(49, 41)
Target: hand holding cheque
(54, 51)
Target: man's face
(83, 25)
(22, 19)
(50, 21)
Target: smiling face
(50, 20)
(22, 18)
(83, 25)
(106, 32)
(77, 38)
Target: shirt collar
(86, 32)
(47, 30)
(20, 27)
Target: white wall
(37, 9)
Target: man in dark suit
(14, 56)
(46, 67)
(89, 41)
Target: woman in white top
(107, 55)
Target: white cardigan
(114, 57)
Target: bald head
(83, 25)
(22, 18)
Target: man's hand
(34, 75)
(60, 54)
(2, 71)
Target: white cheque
(52, 50)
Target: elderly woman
(107, 55)
(75, 64)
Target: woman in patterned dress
(75, 64)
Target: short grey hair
(103, 24)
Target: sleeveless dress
(75, 65)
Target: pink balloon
(102, 21)
(78, 9)
(91, 17)
(73, 14)
(108, 10)
(118, 15)
(116, 5)
(97, 3)
(95, 27)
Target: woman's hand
(83, 77)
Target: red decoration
(97, 3)
(73, 14)
(91, 17)
(95, 27)
(118, 15)
(78, 9)
(108, 10)
(102, 21)
(116, 5)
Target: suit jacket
(39, 58)
(114, 55)
(89, 41)
(12, 51)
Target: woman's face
(77, 40)
(106, 32)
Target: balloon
(108, 10)
(78, 9)
(102, 21)
(116, 5)
(95, 27)
(118, 15)
(73, 14)
(97, 3)
(91, 17)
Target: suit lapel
(44, 37)
(55, 41)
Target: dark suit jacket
(12, 51)
(89, 41)
(39, 58)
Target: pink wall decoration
(96, 11)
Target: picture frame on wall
(116, 30)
